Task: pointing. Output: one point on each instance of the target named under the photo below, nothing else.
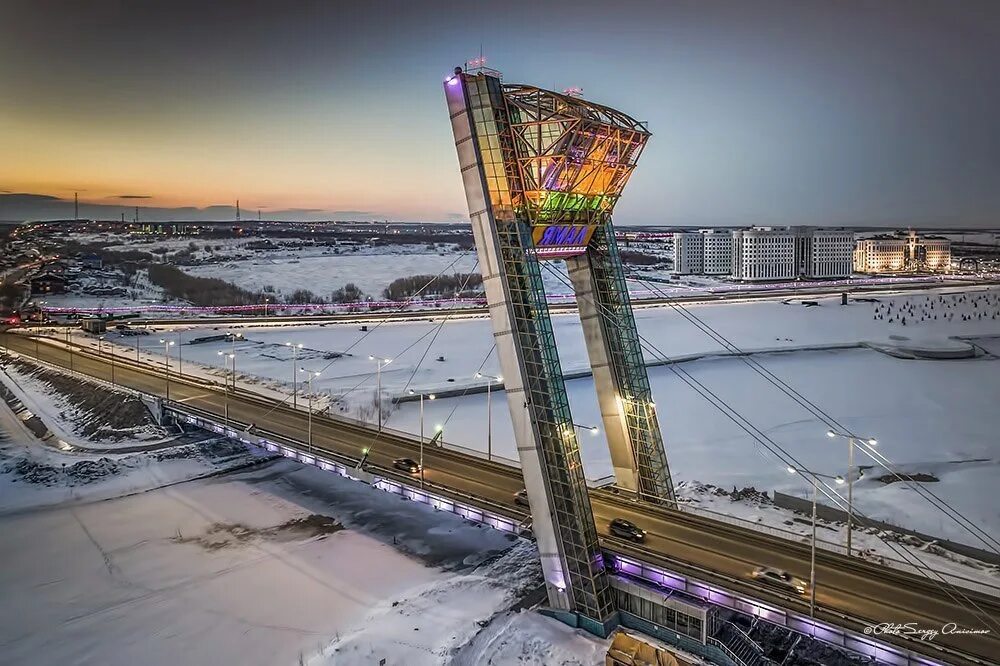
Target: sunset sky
(811, 112)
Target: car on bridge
(521, 498)
(408, 465)
(781, 579)
(625, 529)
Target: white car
(778, 578)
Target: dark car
(624, 529)
(521, 498)
(407, 465)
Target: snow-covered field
(240, 569)
(322, 274)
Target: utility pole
(237, 210)
(76, 206)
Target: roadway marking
(194, 397)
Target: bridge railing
(831, 546)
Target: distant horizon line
(703, 225)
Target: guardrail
(468, 506)
(840, 549)
(883, 653)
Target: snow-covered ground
(322, 272)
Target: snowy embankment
(94, 448)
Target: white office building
(718, 252)
(703, 252)
(825, 253)
(689, 253)
(764, 254)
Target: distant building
(47, 283)
(707, 252)
(824, 253)
(689, 253)
(764, 254)
(718, 258)
(893, 254)
(936, 254)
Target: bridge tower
(542, 173)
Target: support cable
(954, 593)
(831, 422)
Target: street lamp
(430, 396)
(225, 379)
(852, 441)
(180, 359)
(814, 477)
(594, 430)
(111, 349)
(167, 344)
(295, 381)
(69, 349)
(489, 412)
(378, 383)
(309, 377)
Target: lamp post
(814, 477)
(266, 301)
(69, 349)
(489, 412)
(167, 344)
(852, 441)
(295, 381)
(430, 396)
(309, 419)
(225, 379)
(593, 430)
(180, 359)
(378, 383)
(111, 351)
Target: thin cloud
(132, 196)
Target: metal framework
(542, 173)
(573, 156)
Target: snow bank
(431, 623)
